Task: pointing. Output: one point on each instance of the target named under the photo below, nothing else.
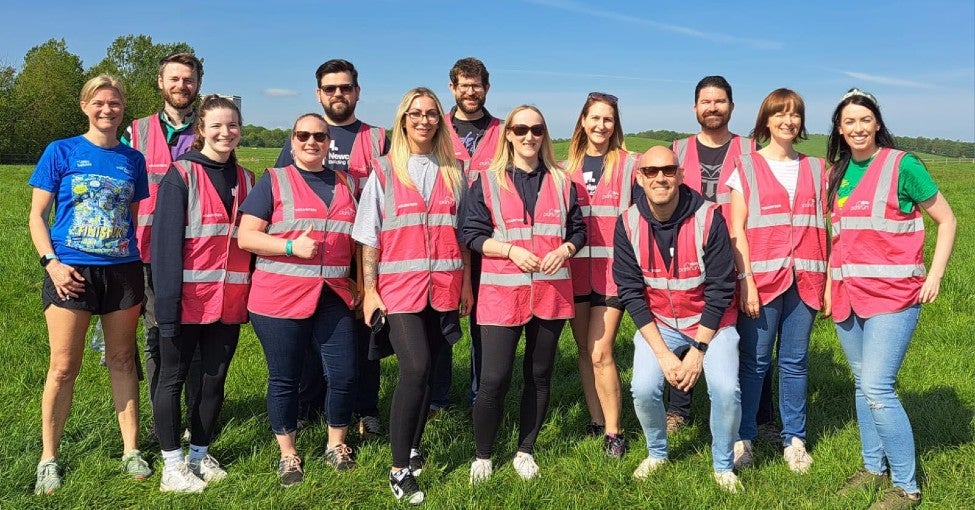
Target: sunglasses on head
(522, 130)
(602, 96)
(330, 89)
(651, 171)
(303, 136)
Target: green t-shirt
(914, 183)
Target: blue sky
(918, 58)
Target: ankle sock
(197, 452)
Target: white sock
(197, 452)
(172, 458)
(414, 452)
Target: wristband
(568, 249)
(742, 276)
(507, 253)
(287, 247)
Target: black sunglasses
(330, 89)
(319, 136)
(602, 96)
(522, 130)
(651, 171)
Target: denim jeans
(875, 348)
(285, 345)
(791, 320)
(721, 374)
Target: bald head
(658, 155)
(660, 177)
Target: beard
(180, 100)
(339, 110)
(468, 110)
(713, 120)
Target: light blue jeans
(721, 374)
(791, 320)
(875, 349)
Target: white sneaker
(743, 454)
(481, 470)
(728, 481)
(649, 465)
(207, 469)
(180, 479)
(795, 454)
(525, 466)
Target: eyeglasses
(522, 130)
(319, 136)
(473, 87)
(432, 116)
(329, 90)
(602, 96)
(651, 171)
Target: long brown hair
(211, 102)
(579, 141)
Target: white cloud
(587, 75)
(887, 80)
(280, 92)
(569, 5)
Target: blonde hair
(101, 81)
(504, 153)
(443, 151)
(580, 141)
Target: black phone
(378, 320)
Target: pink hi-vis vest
(366, 148)
(216, 272)
(149, 139)
(420, 261)
(507, 296)
(877, 260)
(290, 287)
(783, 237)
(676, 296)
(483, 153)
(687, 157)
(592, 266)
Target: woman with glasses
(92, 267)
(201, 280)
(875, 196)
(602, 171)
(298, 221)
(778, 231)
(415, 272)
(522, 215)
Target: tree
(7, 75)
(135, 60)
(45, 98)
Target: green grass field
(936, 384)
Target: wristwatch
(701, 347)
(46, 259)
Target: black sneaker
(404, 486)
(416, 463)
(289, 471)
(340, 457)
(595, 430)
(615, 445)
(370, 428)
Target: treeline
(259, 136)
(665, 135)
(938, 146)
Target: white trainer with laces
(525, 465)
(180, 479)
(481, 470)
(207, 469)
(728, 481)
(796, 455)
(743, 454)
(648, 466)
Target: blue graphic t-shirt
(93, 189)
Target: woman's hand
(930, 289)
(67, 281)
(370, 303)
(527, 261)
(748, 301)
(554, 260)
(304, 246)
(827, 301)
(466, 298)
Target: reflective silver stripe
(810, 220)
(499, 224)
(602, 210)
(879, 271)
(679, 324)
(414, 265)
(883, 183)
(287, 194)
(681, 146)
(561, 274)
(375, 133)
(442, 220)
(767, 220)
(142, 132)
(627, 183)
(156, 177)
(144, 220)
(633, 221)
(881, 224)
(506, 280)
(215, 276)
(596, 252)
(765, 266)
(548, 229)
(744, 145)
(586, 210)
(815, 266)
(675, 284)
(514, 234)
(301, 270)
(389, 201)
(724, 198)
(206, 230)
(314, 223)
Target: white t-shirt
(786, 172)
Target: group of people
(356, 246)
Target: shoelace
(291, 463)
(343, 451)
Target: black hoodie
(719, 262)
(169, 230)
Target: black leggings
(217, 343)
(498, 347)
(416, 340)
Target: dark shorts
(107, 289)
(596, 299)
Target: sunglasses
(522, 130)
(602, 96)
(319, 136)
(329, 90)
(651, 171)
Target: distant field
(936, 384)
